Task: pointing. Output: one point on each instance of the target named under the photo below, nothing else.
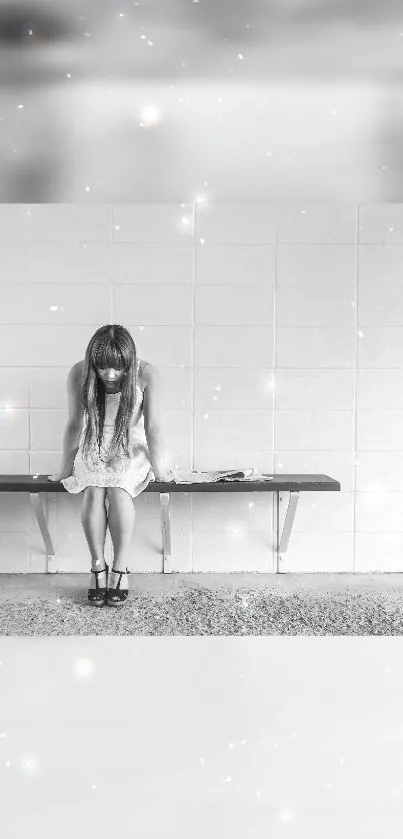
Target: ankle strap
(102, 571)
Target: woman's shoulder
(79, 371)
(146, 370)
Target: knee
(94, 495)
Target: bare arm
(152, 409)
(73, 427)
(71, 439)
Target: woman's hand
(59, 476)
(165, 476)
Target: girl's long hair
(110, 346)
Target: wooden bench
(37, 485)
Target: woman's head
(110, 360)
(111, 348)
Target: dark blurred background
(191, 100)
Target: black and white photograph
(201, 366)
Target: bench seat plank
(280, 483)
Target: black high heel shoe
(97, 596)
(117, 596)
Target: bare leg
(94, 520)
(122, 515)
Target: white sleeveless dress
(132, 473)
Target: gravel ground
(202, 604)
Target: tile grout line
(195, 222)
(275, 512)
(357, 265)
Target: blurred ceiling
(238, 99)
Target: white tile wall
(63, 223)
(146, 263)
(58, 263)
(278, 330)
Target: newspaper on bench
(188, 477)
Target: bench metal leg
(166, 531)
(37, 504)
(284, 538)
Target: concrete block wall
(278, 329)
